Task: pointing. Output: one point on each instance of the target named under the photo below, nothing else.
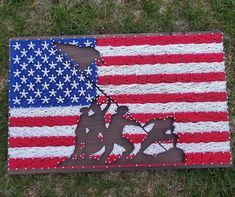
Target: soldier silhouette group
(92, 133)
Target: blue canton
(41, 76)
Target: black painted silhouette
(160, 132)
(113, 134)
(80, 138)
(91, 123)
(83, 56)
(93, 136)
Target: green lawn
(60, 17)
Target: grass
(57, 17)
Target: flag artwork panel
(117, 102)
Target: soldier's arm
(107, 106)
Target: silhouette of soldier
(98, 116)
(96, 127)
(161, 131)
(80, 134)
(113, 134)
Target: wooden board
(117, 102)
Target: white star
(38, 52)
(37, 93)
(74, 42)
(60, 85)
(52, 52)
(45, 86)
(16, 73)
(16, 101)
(31, 45)
(74, 84)
(67, 92)
(82, 92)
(67, 78)
(87, 43)
(24, 65)
(23, 93)
(23, 79)
(59, 71)
(30, 59)
(52, 65)
(45, 58)
(89, 85)
(45, 100)
(38, 65)
(66, 64)
(52, 92)
(89, 98)
(31, 85)
(74, 71)
(31, 72)
(81, 78)
(16, 86)
(75, 98)
(45, 45)
(30, 100)
(16, 46)
(59, 58)
(52, 78)
(45, 72)
(38, 79)
(23, 53)
(88, 71)
(60, 99)
(16, 59)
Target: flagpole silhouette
(97, 57)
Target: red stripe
(165, 98)
(162, 59)
(184, 117)
(41, 141)
(46, 162)
(43, 121)
(160, 78)
(208, 158)
(72, 120)
(203, 137)
(159, 40)
(134, 138)
(190, 159)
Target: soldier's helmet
(84, 110)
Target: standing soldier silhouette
(113, 134)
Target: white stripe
(191, 127)
(62, 151)
(148, 69)
(194, 147)
(48, 151)
(133, 108)
(205, 147)
(159, 49)
(177, 107)
(46, 111)
(161, 88)
(69, 130)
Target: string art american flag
(157, 77)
